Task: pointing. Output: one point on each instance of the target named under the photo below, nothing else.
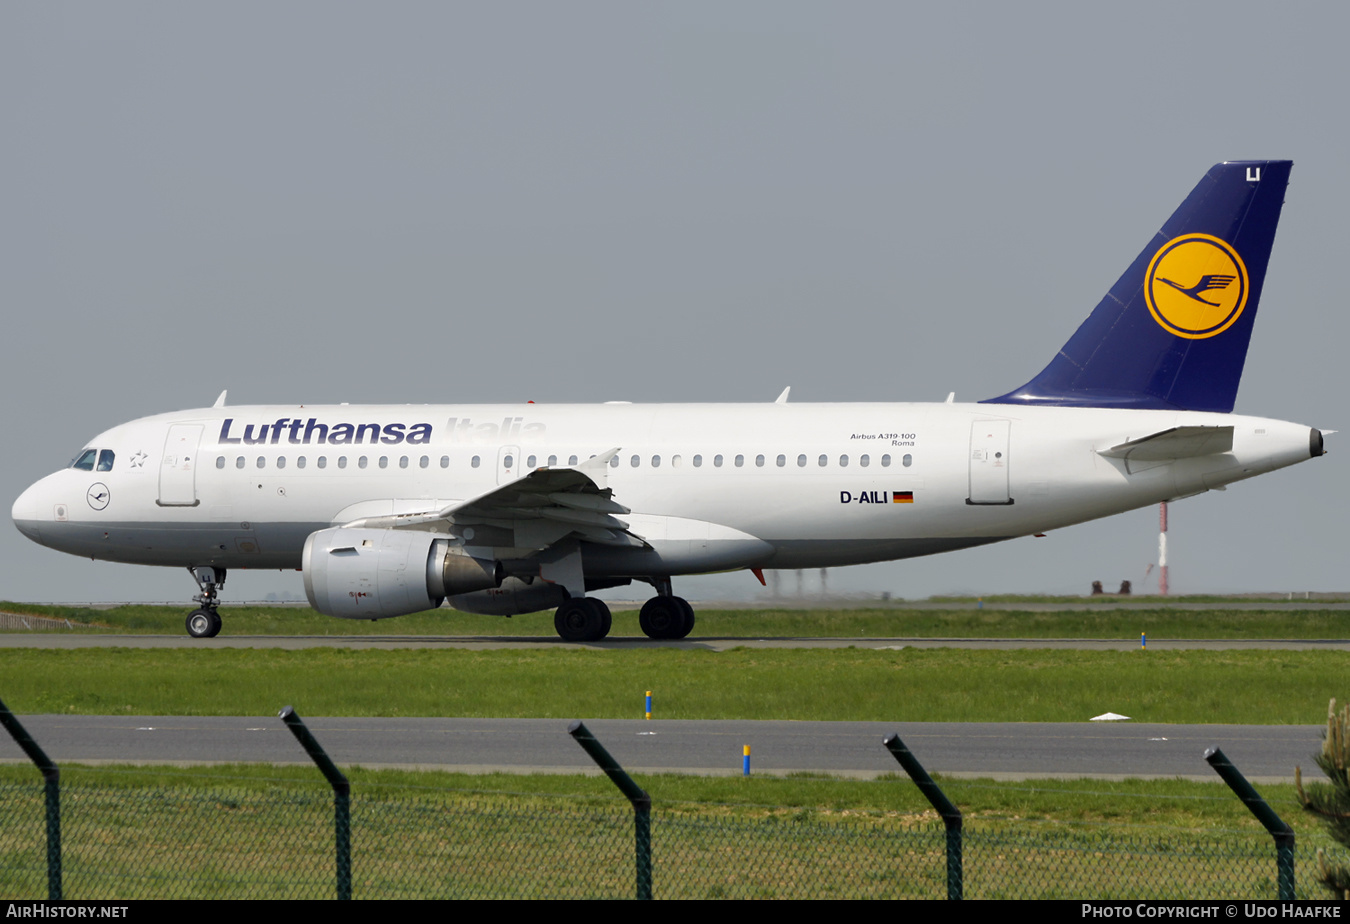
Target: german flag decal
(902, 497)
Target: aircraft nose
(31, 509)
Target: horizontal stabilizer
(1176, 443)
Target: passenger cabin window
(656, 461)
(323, 461)
(782, 460)
(445, 461)
(717, 461)
(864, 460)
(384, 461)
(85, 460)
(220, 461)
(698, 461)
(801, 461)
(474, 461)
(530, 461)
(886, 461)
(105, 460)
(571, 460)
(907, 460)
(239, 462)
(342, 461)
(552, 461)
(281, 461)
(300, 462)
(740, 460)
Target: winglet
(220, 402)
(782, 399)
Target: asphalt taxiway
(852, 749)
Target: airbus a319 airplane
(505, 509)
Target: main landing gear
(587, 619)
(204, 622)
(582, 619)
(668, 617)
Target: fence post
(951, 815)
(51, 776)
(642, 804)
(1281, 832)
(342, 819)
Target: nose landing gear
(205, 622)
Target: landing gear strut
(582, 619)
(666, 616)
(205, 622)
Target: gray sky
(324, 202)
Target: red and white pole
(1162, 548)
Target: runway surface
(999, 750)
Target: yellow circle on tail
(1196, 286)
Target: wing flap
(536, 511)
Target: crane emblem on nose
(98, 495)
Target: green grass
(995, 620)
(1179, 804)
(1026, 685)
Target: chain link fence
(224, 842)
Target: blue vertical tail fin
(1173, 331)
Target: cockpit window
(85, 460)
(105, 460)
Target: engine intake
(379, 573)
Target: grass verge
(956, 685)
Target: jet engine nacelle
(512, 596)
(378, 573)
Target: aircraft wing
(533, 512)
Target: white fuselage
(710, 487)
